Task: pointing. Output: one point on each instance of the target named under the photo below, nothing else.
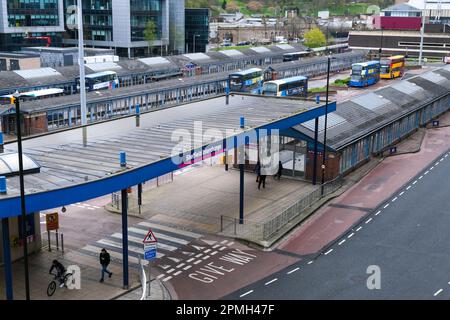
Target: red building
(396, 23)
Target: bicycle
(66, 278)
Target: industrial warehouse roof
(65, 163)
(11, 79)
(356, 117)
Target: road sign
(52, 221)
(150, 237)
(150, 254)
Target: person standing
(258, 171)
(280, 170)
(262, 180)
(105, 259)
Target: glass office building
(30, 23)
(196, 29)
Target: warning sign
(150, 237)
(52, 221)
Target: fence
(262, 230)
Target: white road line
(329, 251)
(177, 273)
(368, 220)
(395, 199)
(387, 205)
(341, 242)
(160, 276)
(293, 270)
(442, 159)
(199, 255)
(197, 262)
(378, 212)
(426, 172)
(436, 163)
(310, 262)
(205, 257)
(167, 279)
(420, 177)
(170, 229)
(230, 244)
(438, 292)
(187, 267)
(159, 235)
(170, 271)
(415, 181)
(223, 248)
(191, 259)
(213, 253)
(409, 187)
(359, 228)
(90, 208)
(207, 250)
(96, 207)
(139, 240)
(350, 235)
(180, 265)
(224, 241)
(244, 294)
(432, 168)
(401, 193)
(271, 281)
(216, 246)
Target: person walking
(258, 171)
(280, 170)
(105, 259)
(262, 180)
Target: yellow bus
(392, 67)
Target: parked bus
(286, 87)
(249, 80)
(365, 74)
(33, 95)
(392, 67)
(100, 80)
(293, 56)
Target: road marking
(395, 199)
(293, 270)
(230, 244)
(426, 172)
(420, 177)
(191, 259)
(401, 193)
(199, 255)
(310, 262)
(350, 235)
(244, 294)
(197, 262)
(432, 168)
(438, 292)
(213, 253)
(409, 187)
(180, 265)
(216, 246)
(271, 281)
(205, 257)
(207, 250)
(329, 251)
(169, 229)
(139, 240)
(177, 273)
(159, 236)
(387, 205)
(167, 279)
(341, 242)
(359, 228)
(224, 241)
(378, 212)
(187, 267)
(436, 163)
(442, 159)
(368, 220)
(223, 248)
(170, 271)
(160, 276)
(415, 181)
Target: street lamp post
(326, 122)
(22, 194)
(422, 31)
(82, 73)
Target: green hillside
(275, 8)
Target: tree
(150, 34)
(315, 38)
(224, 4)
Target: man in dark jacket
(105, 259)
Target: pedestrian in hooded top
(105, 259)
(258, 171)
(280, 170)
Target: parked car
(243, 43)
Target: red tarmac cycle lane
(332, 220)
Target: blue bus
(100, 80)
(286, 87)
(365, 74)
(249, 80)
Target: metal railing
(263, 230)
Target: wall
(331, 166)
(397, 23)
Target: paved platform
(196, 199)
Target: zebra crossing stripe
(162, 246)
(159, 235)
(116, 255)
(170, 229)
(130, 248)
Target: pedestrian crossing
(169, 240)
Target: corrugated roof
(37, 73)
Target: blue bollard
(123, 159)
(138, 109)
(242, 122)
(317, 99)
(3, 185)
(1, 142)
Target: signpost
(52, 223)
(150, 244)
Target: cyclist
(60, 271)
